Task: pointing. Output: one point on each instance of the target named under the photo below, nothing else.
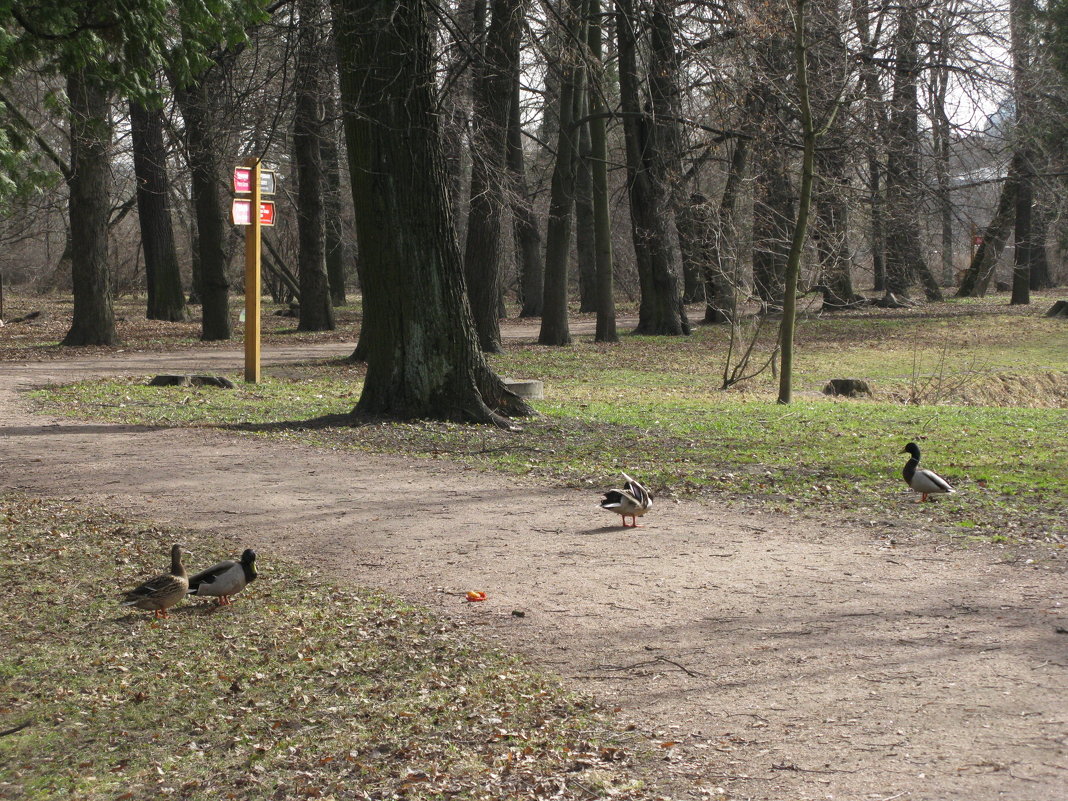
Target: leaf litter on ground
(302, 689)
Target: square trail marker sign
(239, 211)
(243, 181)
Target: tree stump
(192, 381)
(527, 388)
(847, 387)
(892, 301)
(1058, 309)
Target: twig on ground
(18, 728)
(796, 769)
(647, 663)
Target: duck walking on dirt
(632, 501)
(925, 482)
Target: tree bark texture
(525, 229)
(423, 358)
(773, 220)
(469, 23)
(602, 222)
(309, 130)
(904, 248)
(941, 141)
(828, 59)
(194, 100)
(585, 242)
(774, 195)
(333, 224)
(1041, 276)
(647, 135)
(166, 300)
(995, 235)
(1021, 22)
(554, 326)
(89, 185)
(494, 76)
(804, 204)
(876, 121)
(721, 266)
(1023, 251)
(831, 232)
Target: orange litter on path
(476, 595)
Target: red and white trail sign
(243, 181)
(239, 211)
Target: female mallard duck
(925, 482)
(158, 594)
(226, 578)
(632, 501)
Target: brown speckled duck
(159, 594)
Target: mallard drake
(632, 501)
(226, 578)
(925, 482)
(158, 594)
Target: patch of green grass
(299, 690)
(652, 406)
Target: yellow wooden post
(252, 276)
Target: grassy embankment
(982, 386)
(299, 690)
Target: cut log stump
(192, 381)
(527, 388)
(847, 387)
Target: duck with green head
(226, 578)
(925, 482)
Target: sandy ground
(767, 657)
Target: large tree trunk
(602, 222)
(721, 265)
(941, 130)
(88, 183)
(904, 250)
(773, 221)
(316, 308)
(647, 137)
(831, 185)
(585, 233)
(554, 326)
(423, 358)
(774, 195)
(194, 100)
(524, 220)
(1023, 252)
(804, 204)
(832, 228)
(995, 235)
(466, 26)
(333, 224)
(1041, 276)
(1021, 14)
(876, 122)
(162, 271)
(493, 86)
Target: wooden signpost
(252, 181)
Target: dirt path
(786, 659)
